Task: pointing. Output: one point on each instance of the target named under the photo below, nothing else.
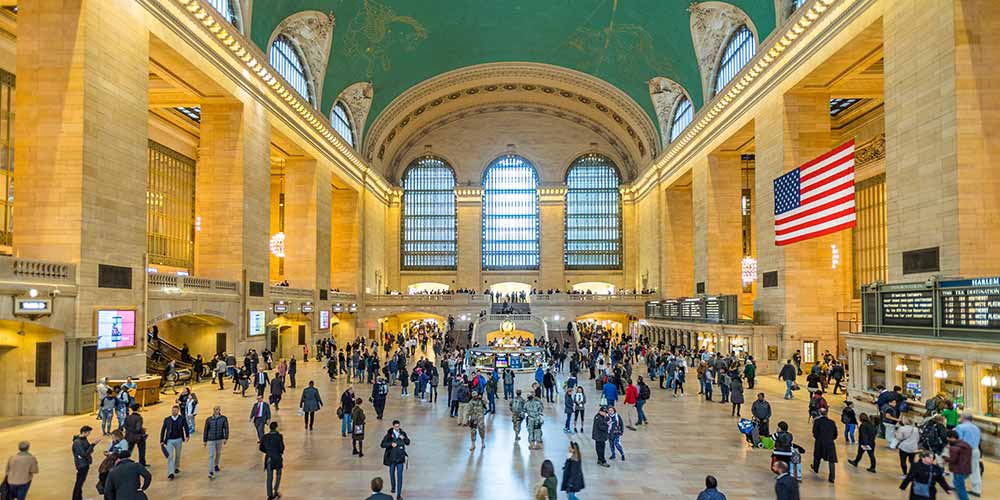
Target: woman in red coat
(631, 396)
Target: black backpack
(464, 396)
(644, 392)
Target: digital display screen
(501, 361)
(515, 361)
(280, 308)
(115, 329)
(974, 307)
(908, 308)
(256, 323)
(324, 319)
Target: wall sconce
(902, 367)
(989, 381)
(940, 373)
(834, 256)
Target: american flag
(815, 199)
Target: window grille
(170, 208)
(739, 51)
(286, 60)
(228, 9)
(342, 124)
(430, 225)
(510, 215)
(593, 214)
(870, 251)
(683, 115)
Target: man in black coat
(599, 433)
(83, 451)
(273, 447)
(135, 433)
(122, 482)
(394, 443)
(260, 381)
(825, 433)
(786, 487)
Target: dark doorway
(220, 342)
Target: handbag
(5, 490)
(604, 401)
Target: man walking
(533, 409)
(215, 435)
(380, 391)
(825, 433)
(173, 433)
(394, 443)
(135, 434)
(220, 371)
(508, 384)
(517, 406)
(310, 402)
(787, 374)
(477, 421)
(260, 415)
(273, 447)
(968, 432)
(20, 469)
(599, 433)
(260, 381)
(959, 463)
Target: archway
(511, 287)
(288, 334)
(427, 287)
(182, 338)
(31, 357)
(594, 287)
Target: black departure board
(712, 309)
(908, 308)
(691, 309)
(970, 304)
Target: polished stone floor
(687, 439)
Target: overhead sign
(28, 306)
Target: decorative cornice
(395, 166)
(251, 61)
(622, 108)
(771, 51)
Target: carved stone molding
(666, 94)
(623, 160)
(506, 77)
(312, 32)
(358, 99)
(870, 151)
(712, 24)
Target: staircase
(159, 353)
(491, 323)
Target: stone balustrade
(173, 282)
(37, 271)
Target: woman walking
(908, 437)
(191, 411)
(579, 402)
(549, 479)
(866, 442)
(736, 394)
(572, 478)
(358, 431)
(923, 476)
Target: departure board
(908, 308)
(966, 305)
(691, 309)
(713, 310)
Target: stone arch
(312, 33)
(357, 98)
(712, 25)
(666, 95)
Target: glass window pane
(170, 207)
(285, 59)
(342, 124)
(510, 214)
(593, 214)
(228, 9)
(430, 234)
(739, 51)
(683, 114)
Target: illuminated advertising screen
(324, 319)
(501, 361)
(115, 329)
(256, 323)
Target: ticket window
(910, 379)
(876, 372)
(707, 341)
(990, 384)
(950, 380)
(739, 345)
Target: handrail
(195, 283)
(16, 268)
(291, 292)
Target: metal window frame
(415, 166)
(613, 257)
(170, 222)
(740, 49)
(287, 59)
(533, 252)
(341, 121)
(683, 116)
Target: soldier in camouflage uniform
(517, 413)
(476, 421)
(533, 408)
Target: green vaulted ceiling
(397, 44)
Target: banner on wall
(256, 323)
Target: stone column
(232, 193)
(791, 130)
(717, 227)
(345, 240)
(676, 249)
(942, 58)
(470, 238)
(551, 213)
(307, 224)
(82, 136)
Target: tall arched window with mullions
(510, 214)
(230, 9)
(593, 214)
(683, 115)
(287, 60)
(430, 230)
(739, 51)
(342, 123)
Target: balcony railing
(572, 298)
(172, 282)
(27, 270)
(286, 291)
(456, 299)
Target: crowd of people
(939, 449)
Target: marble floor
(687, 439)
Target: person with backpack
(750, 372)
(517, 406)
(380, 392)
(786, 451)
(850, 420)
(923, 477)
(463, 394)
(934, 435)
(644, 394)
(890, 417)
(866, 442)
(817, 404)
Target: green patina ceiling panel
(397, 44)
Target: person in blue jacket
(610, 392)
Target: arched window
(341, 123)
(285, 58)
(739, 51)
(229, 9)
(796, 4)
(510, 214)
(430, 232)
(593, 214)
(683, 114)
